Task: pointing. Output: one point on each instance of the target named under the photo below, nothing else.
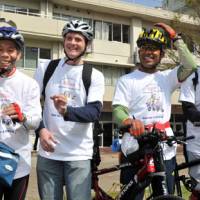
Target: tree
(190, 35)
(192, 8)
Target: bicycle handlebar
(159, 135)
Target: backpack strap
(86, 76)
(48, 73)
(195, 80)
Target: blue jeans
(53, 174)
(170, 167)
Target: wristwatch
(177, 37)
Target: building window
(89, 21)
(31, 57)
(107, 31)
(98, 29)
(19, 10)
(60, 16)
(34, 12)
(57, 16)
(9, 8)
(111, 74)
(102, 30)
(111, 32)
(125, 33)
(117, 32)
(45, 53)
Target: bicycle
(186, 180)
(150, 167)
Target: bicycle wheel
(168, 197)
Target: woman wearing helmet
(66, 138)
(20, 106)
(134, 91)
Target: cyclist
(20, 108)
(190, 98)
(144, 96)
(66, 139)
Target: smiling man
(143, 97)
(20, 110)
(66, 135)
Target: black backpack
(195, 81)
(86, 77)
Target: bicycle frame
(152, 170)
(100, 194)
(186, 180)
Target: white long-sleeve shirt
(23, 90)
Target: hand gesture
(137, 127)
(60, 103)
(170, 31)
(47, 140)
(13, 110)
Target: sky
(151, 3)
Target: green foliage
(190, 35)
(194, 5)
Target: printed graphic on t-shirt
(6, 123)
(68, 88)
(154, 104)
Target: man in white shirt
(143, 96)
(66, 135)
(190, 98)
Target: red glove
(171, 32)
(20, 116)
(137, 127)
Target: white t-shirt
(190, 95)
(75, 141)
(148, 98)
(24, 91)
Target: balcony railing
(17, 10)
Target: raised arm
(188, 64)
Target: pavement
(109, 182)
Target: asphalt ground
(109, 182)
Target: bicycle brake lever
(181, 142)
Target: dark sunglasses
(150, 47)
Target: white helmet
(80, 27)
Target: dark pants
(17, 191)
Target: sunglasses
(150, 47)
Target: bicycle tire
(168, 197)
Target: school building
(116, 26)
